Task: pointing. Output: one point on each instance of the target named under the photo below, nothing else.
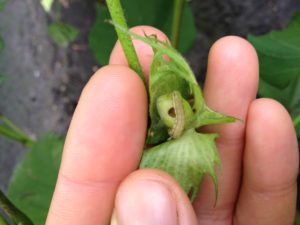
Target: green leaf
(47, 4)
(32, 184)
(289, 97)
(279, 54)
(187, 159)
(3, 221)
(156, 13)
(62, 34)
(2, 45)
(296, 121)
(3, 4)
(2, 79)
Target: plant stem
(11, 131)
(117, 15)
(17, 217)
(176, 23)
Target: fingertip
(104, 144)
(144, 51)
(274, 143)
(150, 196)
(269, 188)
(232, 76)
(230, 87)
(114, 101)
(234, 48)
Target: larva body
(179, 123)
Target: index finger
(104, 144)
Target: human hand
(106, 138)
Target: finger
(144, 51)
(151, 196)
(230, 86)
(268, 193)
(103, 145)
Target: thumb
(150, 196)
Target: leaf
(3, 4)
(62, 34)
(289, 97)
(296, 120)
(279, 54)
(32, 184)
(157, 13)
(2, 79)
(102, 37)
(187, 159)
(2, 45)
(47, 4)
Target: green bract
(177, 109)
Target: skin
(106, 137)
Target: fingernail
(146, 202)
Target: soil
(45, 81)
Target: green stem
(11, 131)
(117, 15)
(176, 24)
(16, 216)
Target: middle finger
(231, 85)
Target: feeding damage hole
(171, 112)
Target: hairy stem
(11, 131)
(117, 15)
(16, 216)
(176, 24)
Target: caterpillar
(179, 123)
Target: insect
(179, 123)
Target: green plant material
(297, 218)
(177, 109)
(279, 57)
(157, 13)
(32, 184)
(2, 79)
(2, 45)
(14, 214)
(11, 131)
(187, 159)
(47, 5)
(289, 97)
(62, 34)
(296, 121)
(117, 15)
(3, 4)
(3, 221)
(176, 23)
(279, 54)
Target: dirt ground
(45, 81)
